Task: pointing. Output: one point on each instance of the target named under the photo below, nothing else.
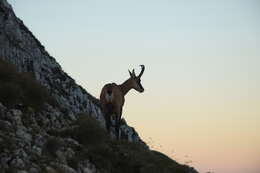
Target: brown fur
(112, 98)
(117, 103)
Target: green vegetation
(16, 88)
(89, 131)
(86, 130)
(116, 156)
(106, 154)
(127, 157)
(52, 145)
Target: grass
(128, 157)
(89, 131)
(52, 145)
(86, 130)
(16, 88)
(116, 156)
(107, 154)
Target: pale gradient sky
(202, 57)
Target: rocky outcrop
(26, 147)
(19, 46)
(49, 140)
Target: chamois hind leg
(118, 124)
(117, 127)
(108, 113)
(108, 121)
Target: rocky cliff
(48, 136)
(19, 46)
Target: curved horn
(142, 71)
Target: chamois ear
(131, 75)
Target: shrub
(10, 93)
(89, 131)
(34, 93)
(86, 130)
(115, 156)
(52, 145)
(7, 71)
(131, 157)
(22, 88)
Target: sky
(201, 104)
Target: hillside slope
(48, 123)
(19, 46)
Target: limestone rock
(30, 139)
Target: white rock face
(24, 133)
(19, 46)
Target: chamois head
(136, 80)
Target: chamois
(112, 98)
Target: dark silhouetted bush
(34, 93)
(10, 93)
(89, 131)
(7, 71)
(86, 130)
(52, 145)
(112, 155)
(16, 88)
